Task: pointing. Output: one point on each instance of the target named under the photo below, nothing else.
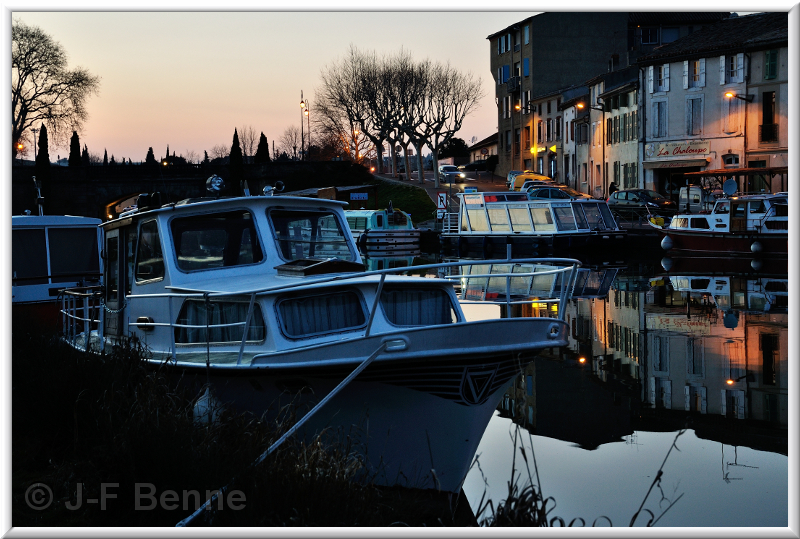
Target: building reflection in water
(662, 352)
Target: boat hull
(530, 244)
(727, 243)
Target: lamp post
(308, 119)
(602, 142)
(302, 135)
(35, 142)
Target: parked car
(540, 181)
(555, 191)
(479, 165)
(511, 175)
(520, 179)
(633, 201)
(450, 173)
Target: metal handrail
(70, 303)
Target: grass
(412, 200)
(81, 418)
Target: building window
(768, 130)
(730, 160)
(526, 68)
(527, 34)
(660, 119)
(694, 116)
(649, 35)
(549, 130)
(668, 35)
(508, 140)
(616, 130)
(540, 165)
(558, 127)
(694, 73)
(770, 64)
(662, 78)
(549, 105)
(516, 141)
(539, 131)
(731, 68)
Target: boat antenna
(39, 197)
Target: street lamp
(302, 135)
(308, 119)
(731, 95)
(35, 142)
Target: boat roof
(22, 221)
(367, 213)
(193, 205)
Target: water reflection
(662, 351)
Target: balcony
(512, 84)
(768, 133)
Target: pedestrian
(612, 188)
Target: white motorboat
(266, 298)
(383, 230)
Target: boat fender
(755, 247)
(756, 264)
(666, 263)
(666, 243)
(362, 241)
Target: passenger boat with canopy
(383, 230)
(267, 299)
(752, 225)
(487, 222)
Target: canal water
(694, 357)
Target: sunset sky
(186, 79)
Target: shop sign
(679, 323)
(687, 148)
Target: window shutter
(685, 78)
(702, 81)
(722, 69)
(499, 76)
(526, 67)
(650, 78)
(499, 40)
(739, 404)
(740, 67)
(666, 78)
(689, 127)
(653, 390)
(703, 400)
(506, 72)
(723, 408)
(656, 119)
(687, 391)
(667, 384)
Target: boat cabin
(759, 213)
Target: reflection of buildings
(707, 352)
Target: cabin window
(580, 218)
(757, 206)
(200, 314)
(498, 218)
(215, 240)
(520, 219)
(73, 253)
(309, 234)
(417, 306)
(28, 257)
(722, 207)
(738, 209)
(379, 220)
(309, 316)
(357, 223)
(542, 220)
(606, 213)
(149, 257)
(564, 219)
(477, 219)
(700, 222)
(593, 217)
(679, 222)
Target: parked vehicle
(554, 191)
(520, 179)
(640, 201)
(479, 165)
(694, 198)
(541, 181)
(264, 302)
(450, 173)
(511, 175)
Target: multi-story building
(715, 99)
(541, 55)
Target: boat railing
(81, 314)
(450, 223)
(82, 307)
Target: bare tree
(290, 140)
(191, 156)
(248, 139)
(43, 89)
(219, 151)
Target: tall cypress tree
(105, 157)
(74, 150)
(262, 152)
(85, 161)
(236, 161)
(151, 158)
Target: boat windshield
(302, 234)
(215, 240)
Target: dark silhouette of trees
(456, 147)
(43, 89)
(43, 156)
(112, 161)
(206, 160)
(236, 161)
(150, 159)
(74, 150)
(105, 157)
(262, 152)
(85, 160)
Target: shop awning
(676, 163)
